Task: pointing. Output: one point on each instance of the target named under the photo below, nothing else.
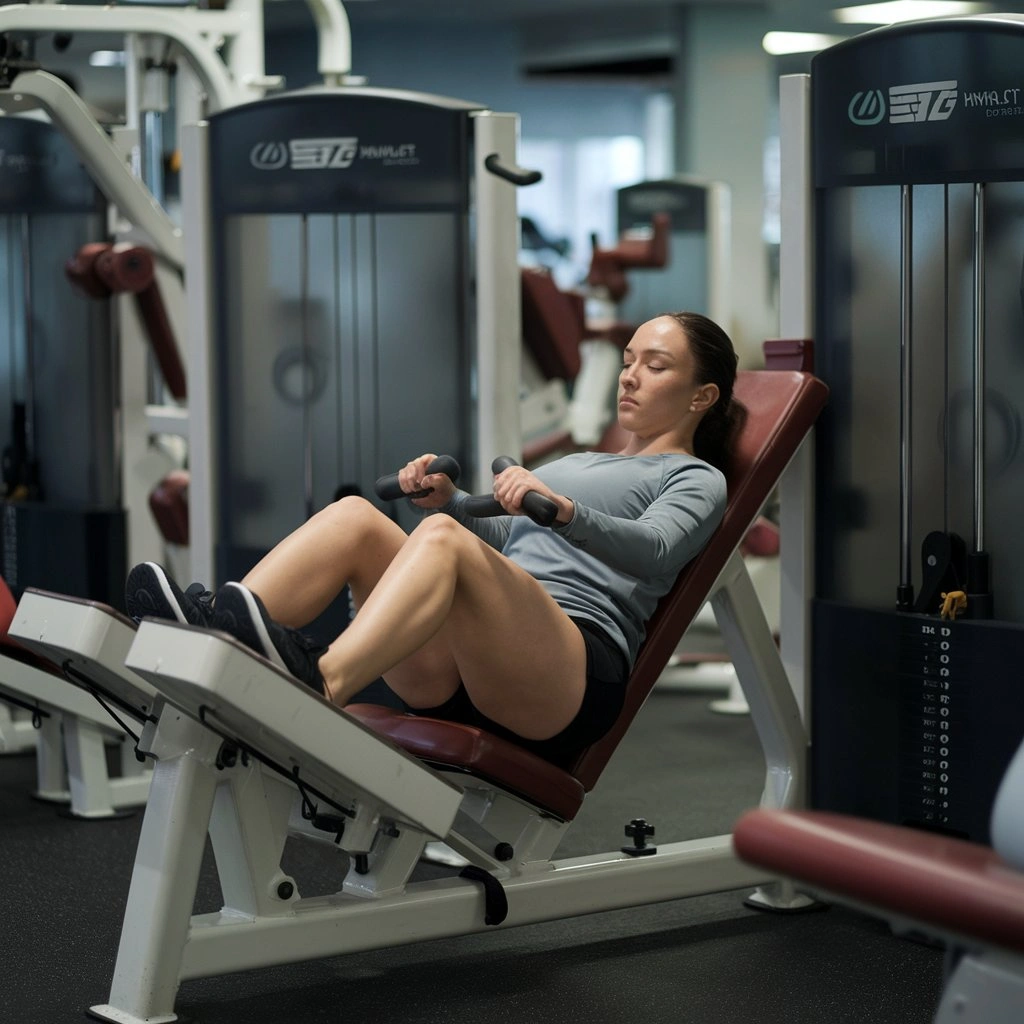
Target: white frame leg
(166, 872)
(17, 733)
(51, 768)
(89, 781)
(773, 707)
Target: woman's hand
(414, 477)
(511, 484)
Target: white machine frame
(270, 747)
(70, 731)
(223, 65)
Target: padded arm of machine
(608, 266)
(953, 886)
(100, 270)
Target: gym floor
(706, 959)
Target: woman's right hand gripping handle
(428, 481)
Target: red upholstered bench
(952, 886)
(780, 409)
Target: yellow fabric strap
(953, 604)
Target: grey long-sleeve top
(637, 520)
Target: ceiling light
(106, 59)
(778, 43)
(905, 10)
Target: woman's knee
(440, 529)
(353, 513)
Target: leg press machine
(247, 754)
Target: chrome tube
(307, 369)
(905, 596)
(979, 366)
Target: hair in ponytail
(715, 362)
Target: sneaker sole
(160, 576)
(255, 619)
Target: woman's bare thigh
(519, 655)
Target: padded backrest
(781, 407)
(552, 324)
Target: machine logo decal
(922, 101)
(22, 163)
(867, 107)
(268, 156)
(333, 154)
(323, 154)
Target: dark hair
(716, 362)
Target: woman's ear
(704, 397)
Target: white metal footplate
(47, 692)
(243, 697)
(90, 638)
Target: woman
(526, 631)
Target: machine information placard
(934, 725)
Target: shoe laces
(200, 594)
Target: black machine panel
(63, 525)
(915, 718)
(937, 101)
(342, 236)
(40, 172)
(356, 151)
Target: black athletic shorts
(607, 674)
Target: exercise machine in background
(918, 610)
(573, 341)
(697, 276)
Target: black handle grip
(510, 172)
(540, 509)
(387, 488)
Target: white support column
(773, 708)
(499, 316)
(51, 771)
(170, 851)
(796, 320)
(195, 190)
(88, 779)
(248, 830)
(17, 734)
(751, 646)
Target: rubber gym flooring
(706, 960)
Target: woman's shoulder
(689, 471)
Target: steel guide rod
(306, 379)
(905, 591)
(979, 366)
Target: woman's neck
(660, 444)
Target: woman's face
(657, 390)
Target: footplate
(90, 640)
(253, 703)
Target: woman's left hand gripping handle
(428, 480)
